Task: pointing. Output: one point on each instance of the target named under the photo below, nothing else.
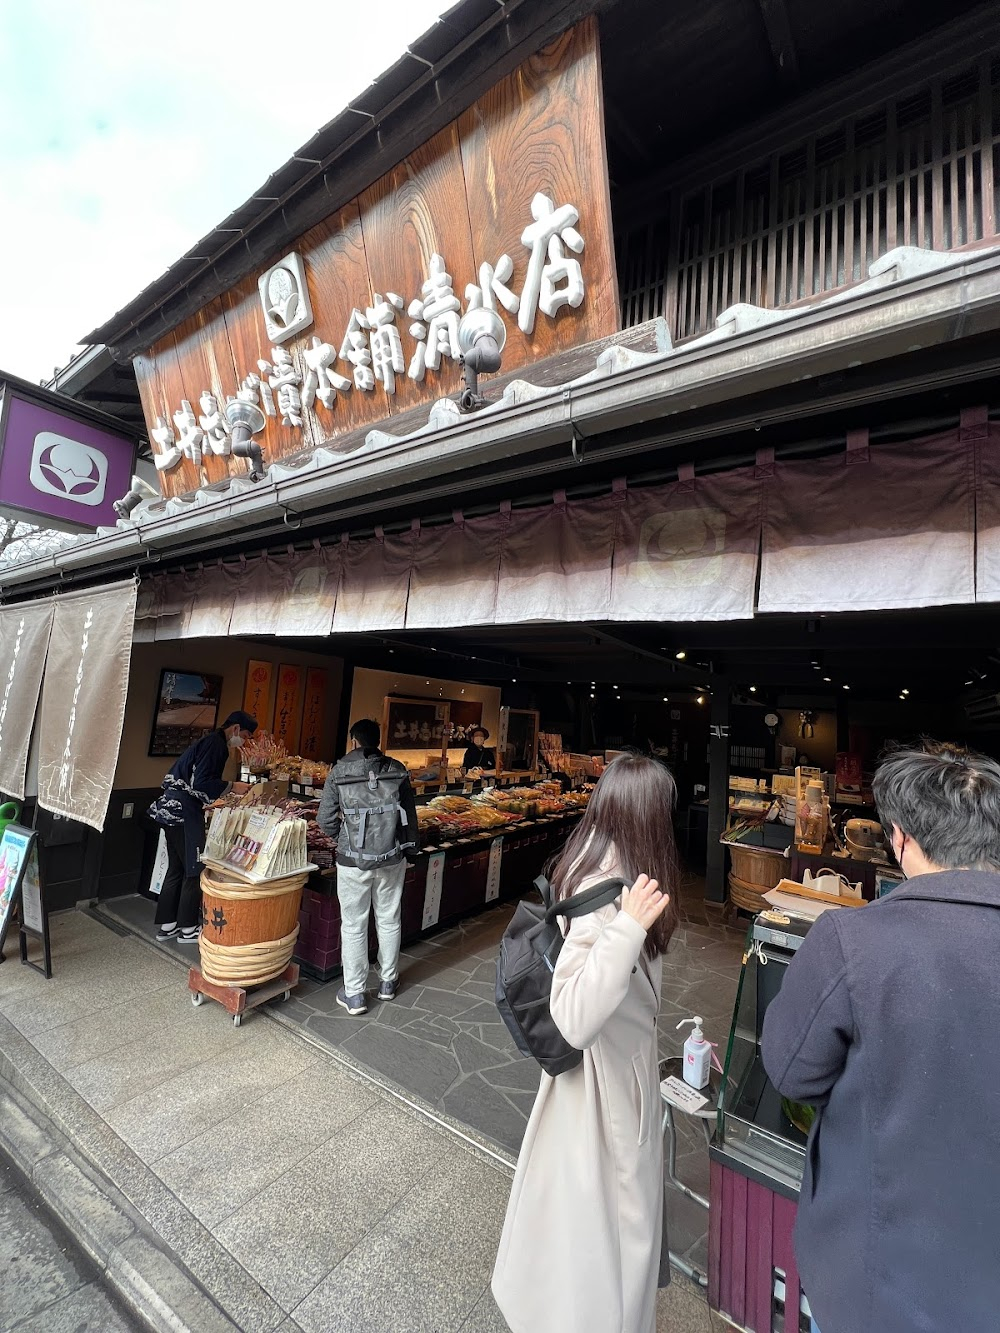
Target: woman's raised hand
(644, 902)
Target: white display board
(159, 866)
(493, 875)
(432, 893)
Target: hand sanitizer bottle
(697, 1055)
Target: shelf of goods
(473, 852)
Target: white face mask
(237, 741)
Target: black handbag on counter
(527, 960)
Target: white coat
(581, 1243)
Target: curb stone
(145, 1276)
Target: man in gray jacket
(887, 1021)
(368, 807)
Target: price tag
(493, 874)
(681, 1095)
(432, 891)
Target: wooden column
(718, 791)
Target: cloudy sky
(131, 127)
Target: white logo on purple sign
(66, 468)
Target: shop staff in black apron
(194, 782)
(478, 759)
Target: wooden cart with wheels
(236, 1000)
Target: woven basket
(757, 867)
(746, 896)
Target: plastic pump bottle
(697, 1055)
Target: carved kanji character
(549, 265)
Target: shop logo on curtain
(64, 467)
(683, 548)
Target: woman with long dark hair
(582, 1243)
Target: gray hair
(946, 798)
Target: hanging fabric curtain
(455, 574)
(872, 529)
(555, 561)
(146, 611)
(24, 641)
(213, 599)
(260, 585)
(311, 582)
(984, 435)
(688, 551)
(83, 701)
(175, 599)
(375, 582)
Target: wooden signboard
(288, 707)
(257, 692)
(314, 713)
(507, 207)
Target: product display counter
(455, 879)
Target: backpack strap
(581, 904)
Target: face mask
(237, 741)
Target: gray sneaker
(388, 990)
(356, 1005)
(188, 936)
(168, 932)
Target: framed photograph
(187, 708)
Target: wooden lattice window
(799, 223)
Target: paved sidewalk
(47, 1285)
(298, 1194)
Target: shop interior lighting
(847, 687)
(903, 697)
(680, 655)
(701, 698)
(904, 693)
(753, 689)
(828, 679)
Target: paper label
(682, 1095)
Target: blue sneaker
(356, 1005)
(388, 989)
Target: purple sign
(58, 468)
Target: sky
(133, 127)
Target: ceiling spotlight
(904, 692)
(828, 679)
(753, 689)
(140, 490)
(700, 699)
(665, 699)
(481, 337)
(847, 687)
(903, 697)
(680, 655)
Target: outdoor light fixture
(246, 420)
(481, 338)
(140, 490)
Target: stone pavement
(47, 1284)
(286, 1188)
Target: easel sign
(21, 886)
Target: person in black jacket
(193, 783)
(887, 1022)
(478, 759)
(369, 808)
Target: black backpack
(528, 953)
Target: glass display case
(754, 1130)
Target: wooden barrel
(759, 867)
(249, 930)
(748, 897)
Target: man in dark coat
(193, 783)
(887, 1021)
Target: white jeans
(358, 891)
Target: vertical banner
(24, 641)
(288, 708)
(314, 713)
(257, 692)
(83, 701)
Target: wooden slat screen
(923, 170)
